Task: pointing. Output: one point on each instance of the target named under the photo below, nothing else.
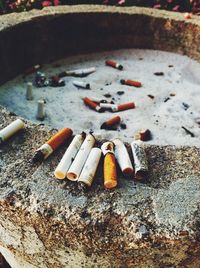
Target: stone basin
(49, 223)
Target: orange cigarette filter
(110, 172)
(126, 106)
(59, 138)
(132, 83)
(93, 105)
(113, 121)
(114, 64)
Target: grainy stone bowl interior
(45, 223)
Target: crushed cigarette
(144, 135)
(110, 123)
(52, 144)
(140, 160)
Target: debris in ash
(159, 73)
(41, 80)
(166, 99)
(120, 93)
(188, 132)
(107, 95)
(170, 66)
(172, 94)
(186, 106)
(123, 126)
(144, 135)
(151, 96)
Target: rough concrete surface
(50, 223)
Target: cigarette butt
(126, 106)
(109, 106)
(32, 69)
(110, 172)
(40, 110)
(140, 160)
(78, 72)
(107, 147)
(93, 105)
(29, 91)
(123, 158)
(131, 83)
(90, 167)
(10, 130)
(81, 157)
(111, 122)
(52, 144)
(68, 157)
(114, 64)
(144, 135)
(81, 84)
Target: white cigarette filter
(40, 110)
(81, 84)
(123, 158)
(107, 147)
(90, 167)
(81, 72)
(81, 157)
(109, 106)
(10, 130)
(140, 160)
(68, 157)
(29, 91)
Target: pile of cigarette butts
(81, 159)
(99, 105)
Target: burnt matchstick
(52, 144)
(114, 64)
(10, 130)
(132, 83)
(188, 132)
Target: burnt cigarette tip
(122, 81)
(120, 67)
(38, 157)
(87, 86)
